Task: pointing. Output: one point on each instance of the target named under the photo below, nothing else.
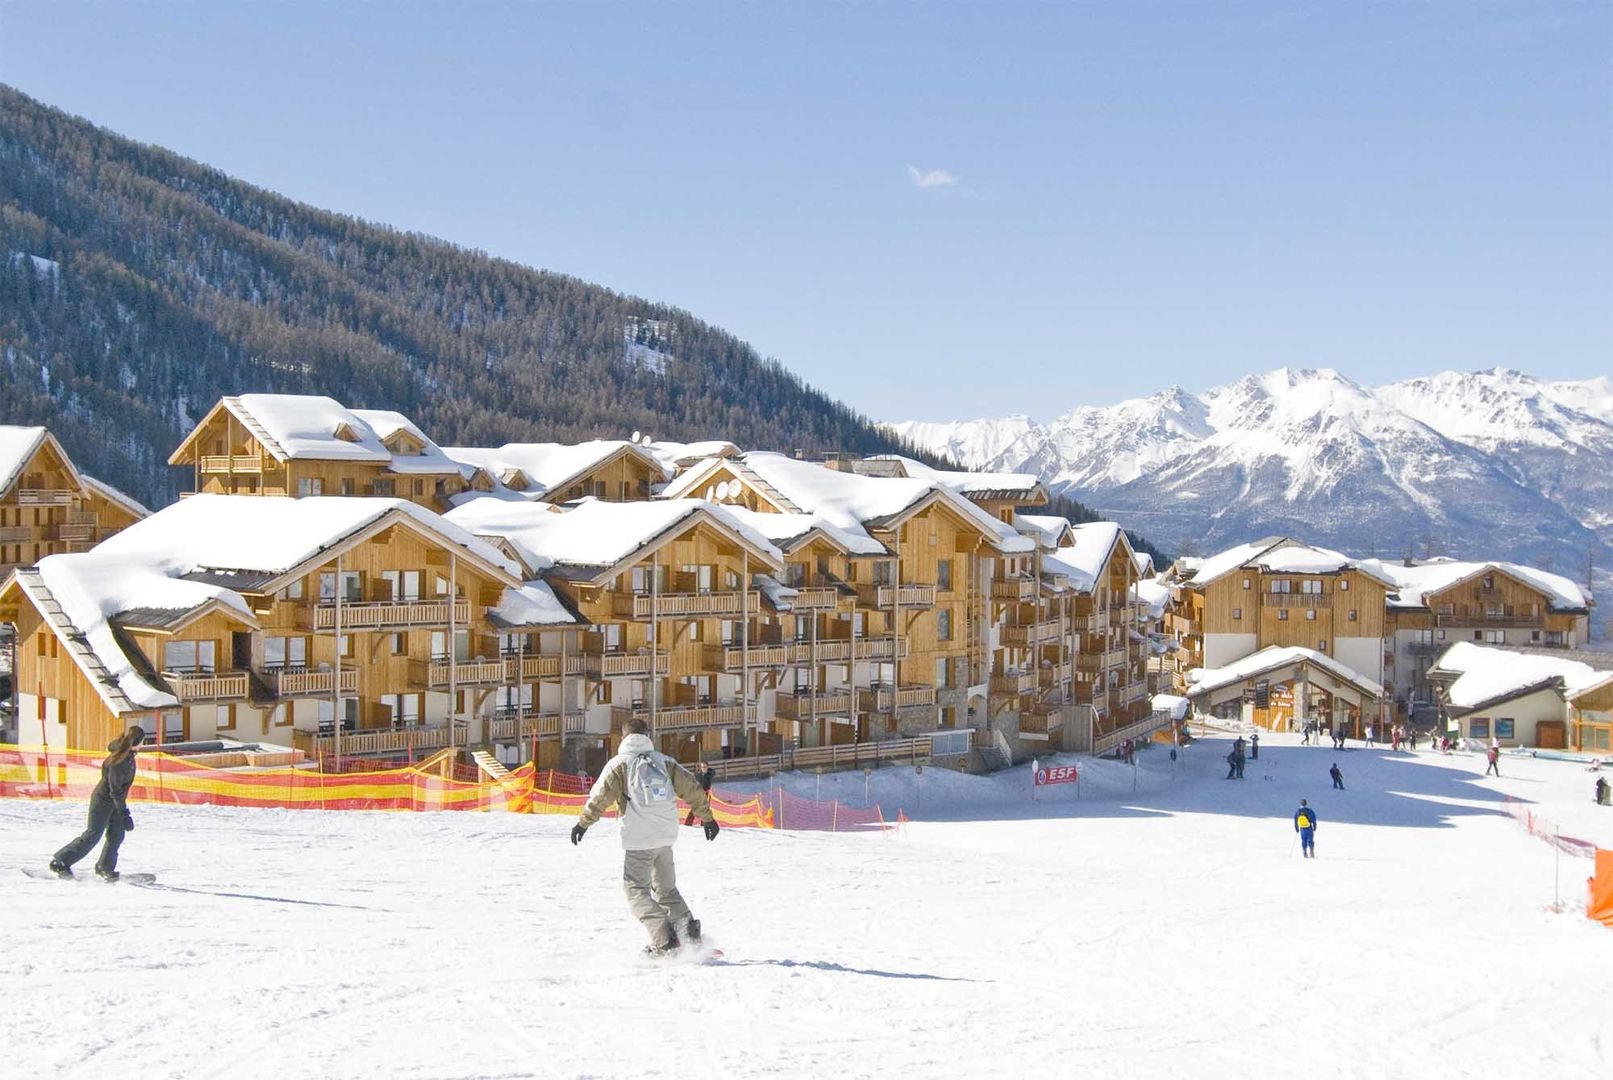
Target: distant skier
(1232, 764)
(1305, 825)
(1601, 791)
(1494, 756)
(109, 810)
(1370, 733)
(1254, 746)
(1338, 777)
(644, 786)
(1305, 733)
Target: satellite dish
(648, 440)
(732, 491)
(635, 437)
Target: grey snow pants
(652, 893)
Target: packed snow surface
(1167, 931)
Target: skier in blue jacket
(1305, 825)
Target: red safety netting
(1548, 831)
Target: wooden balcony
(214, 464)
(884, 699)
(207, 686)
(1482, 621)
(1014, 588)
(610, 665)
(81, 532)
(1093, 622)
(386, 614)
(684, 717)
(520, 668)
(1101, 661)
(45, 497)
(817, 598)
(509, 726)
(1130, 695)
(1043, 719)
(436, 673)
(805, 706)
(300, 682)
(411, 740)
(1292, 600)
(20, 534)
(1426, 648)
(888, 596)
(735, 658)
(684, 605)
(1010, 683)
(1036, 633)
(1053, 674)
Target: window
(1245, 583)
(352, 587)
(1321, 646)
(1281, 585)
(1344, 584)
(960, 671)
(285, 652)
(348, 487)
(943, 575)
(347, 647)
(280, 716)
(419, 487)
(386, 488)
(611, 632)
(403, 584)
(943, 624)
(399, 643)
(349, 715)
(1503, 727)
(1282, 614)
(1351, 615)
(795, 575)
(309, 485)
(173, 726)
(1479, 727)
(1555, 637)
(188, 656)
(222, 716)
(1237, 613)
(294, 591)
(1424, 637)
(1495, 637)
(1441, 635)
(1311, 587)
(1489, 581)
(941, 672)
(1310, 614)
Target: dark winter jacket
(1307, 813)
(117, 777)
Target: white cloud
(931, 178)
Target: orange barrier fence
(1599, 902)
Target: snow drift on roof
(1489, 674)
(1046, 529)
(1085, 560)
(969, 483)
(1413, 584)
(385, 423)
(1171, 703)
(547, 466)
(782, 529)
(113, 495)
(1204, 680)
(1204, 570)
(533, 604)
(17, 447)
(305, 426)
(593, 534)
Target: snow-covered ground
(1168, 931)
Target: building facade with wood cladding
(48, 507)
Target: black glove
(128, 820)
(711, 829)
(576, 834)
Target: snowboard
(123, 879)
(696, 955)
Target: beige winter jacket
(643, 828)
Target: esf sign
(1060, 774)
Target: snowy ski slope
(1170, 931)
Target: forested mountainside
(137, 287)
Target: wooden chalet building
(48, 507)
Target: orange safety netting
(532, 791)
(1599, 903)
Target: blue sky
(943, 210)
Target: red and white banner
(1058, 774)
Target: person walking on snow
(1305, 825)
(1254, 746)
(1370, 733)
(1494, 754)
(109, 810)
(1601, 791)
(1338, 777)
(644, 786)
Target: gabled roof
(1047, 530)
(1276, 555)
(20, 445)
(550, 467)
(1479, 676)
(113, 495)
(1023, 488)
(312, 427)
(595, 539)
(1084, 561)
(1413, 585)
(674, 456)
(1271, 659)
(791, 532)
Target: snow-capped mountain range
(1489, 463)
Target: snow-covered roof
(1279, 555)
(1485, 676)
(113, 495)
(1047, 530)
(533, 604)
(1171, 703)
(973, 483)
(789, 531)
(1201, 571)
(1156, 594)
(1085, 560)
(1204, 680)
(18, 445)
(548, 467)
(679, 455)
(778, 594)
(385, 424)
(1144, 563)
(312, 427)
(595, 535)
(271, 533)
(1414, 584)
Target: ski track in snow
(1168, 931)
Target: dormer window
(515, 480)
(345, 433)
(404, 444)
(1489, 581)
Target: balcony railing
(1278, 599)
(1053, 674)
(19, 534)
(1009, 683)
(908, 596)
(883, 699)
(76, 532)
(1101, 661)
(383, 741)
(817, 598)
(511, 725)
(1036, 633)
(803, 706)
(44, 497)
(607, 665)
(684, 717)
(232, 463)
(518, 668)
(1426, 648)
(673, 605)
(464, 672)
(1043, 719)
(1093, 622)
(1481, 620)
(297, 682)
(733, 657)
(206, 686)
(1014, 588)
(376, 615)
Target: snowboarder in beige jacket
(644, 785)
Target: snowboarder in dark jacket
(1338, 777)
(1305, 825)
(1601, 790)
(109, 810)
(1254, 746)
